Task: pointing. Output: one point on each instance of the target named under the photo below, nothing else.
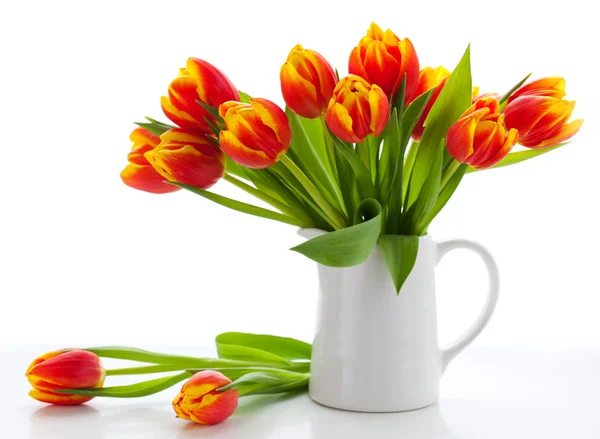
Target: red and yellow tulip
(357, 109)
(256, 134)
(541, 115)
(139, 173)
(199, 401)
(199, 81)
(382, 58)
(479, 137)
(428, 78)
(553, 87)
(187, 158)
(62, 370)
(307, 82)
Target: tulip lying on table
(247, 364)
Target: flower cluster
(256, 133)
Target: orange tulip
(553, 87)
(542, 121)
(187, 158)
(428, 78)
(256, 134)
(139, 174)
(199, 401)
(199, 81)
(383, 59)
(62, 370)
(307, 82)
(479, 137)
(357, 109)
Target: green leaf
(399, 98)
(391, 157)
(512, 90)
(520, 156)
(347, 181)
(233, 373)
(426, 200)
(213, 111)
(235, 169)
(453, 100)
(445, 194)
(240, 206)
(262, 383)
(134, 354)
(244, 97)
(349, 246)
(155, 127)
(258, 347)
(303, 153)
(400, 254)
(144, 388)
(362, 174)
(413, 113)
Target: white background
(85, 260)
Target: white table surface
(486, 393)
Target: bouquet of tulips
(371, 158)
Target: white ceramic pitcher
(376, 351)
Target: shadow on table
(296, 417)
(67, 423)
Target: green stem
(330, 148)
(284, 208)
(449, 173)
(336, 218)
(242, 207)
(409, 161)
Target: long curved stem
(335, 216)
(284, 208)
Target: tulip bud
(62, 370)
(357, 109)
(542, 121)
(428, 78)
(187, 158)
(479, 137)
(199, 401)
(307, 82)
(139, 173)
(382, 58)
(199, 81)
(553, 87)
(256, 134)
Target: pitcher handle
(448, 353)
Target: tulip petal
(73, 369)
(355, 64)
(212, 85)
(553, 87)
(187, 165)
(383, 69)
(181, 118)
(241, 154)
(409, 66)
(59, 398)
(141, 136)
(483, 141)
(379, 109)
(340, 123)
(565, 134)
(299, 94)
(459, 139)
(275, 118)
(145, 178)
(509, 143)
